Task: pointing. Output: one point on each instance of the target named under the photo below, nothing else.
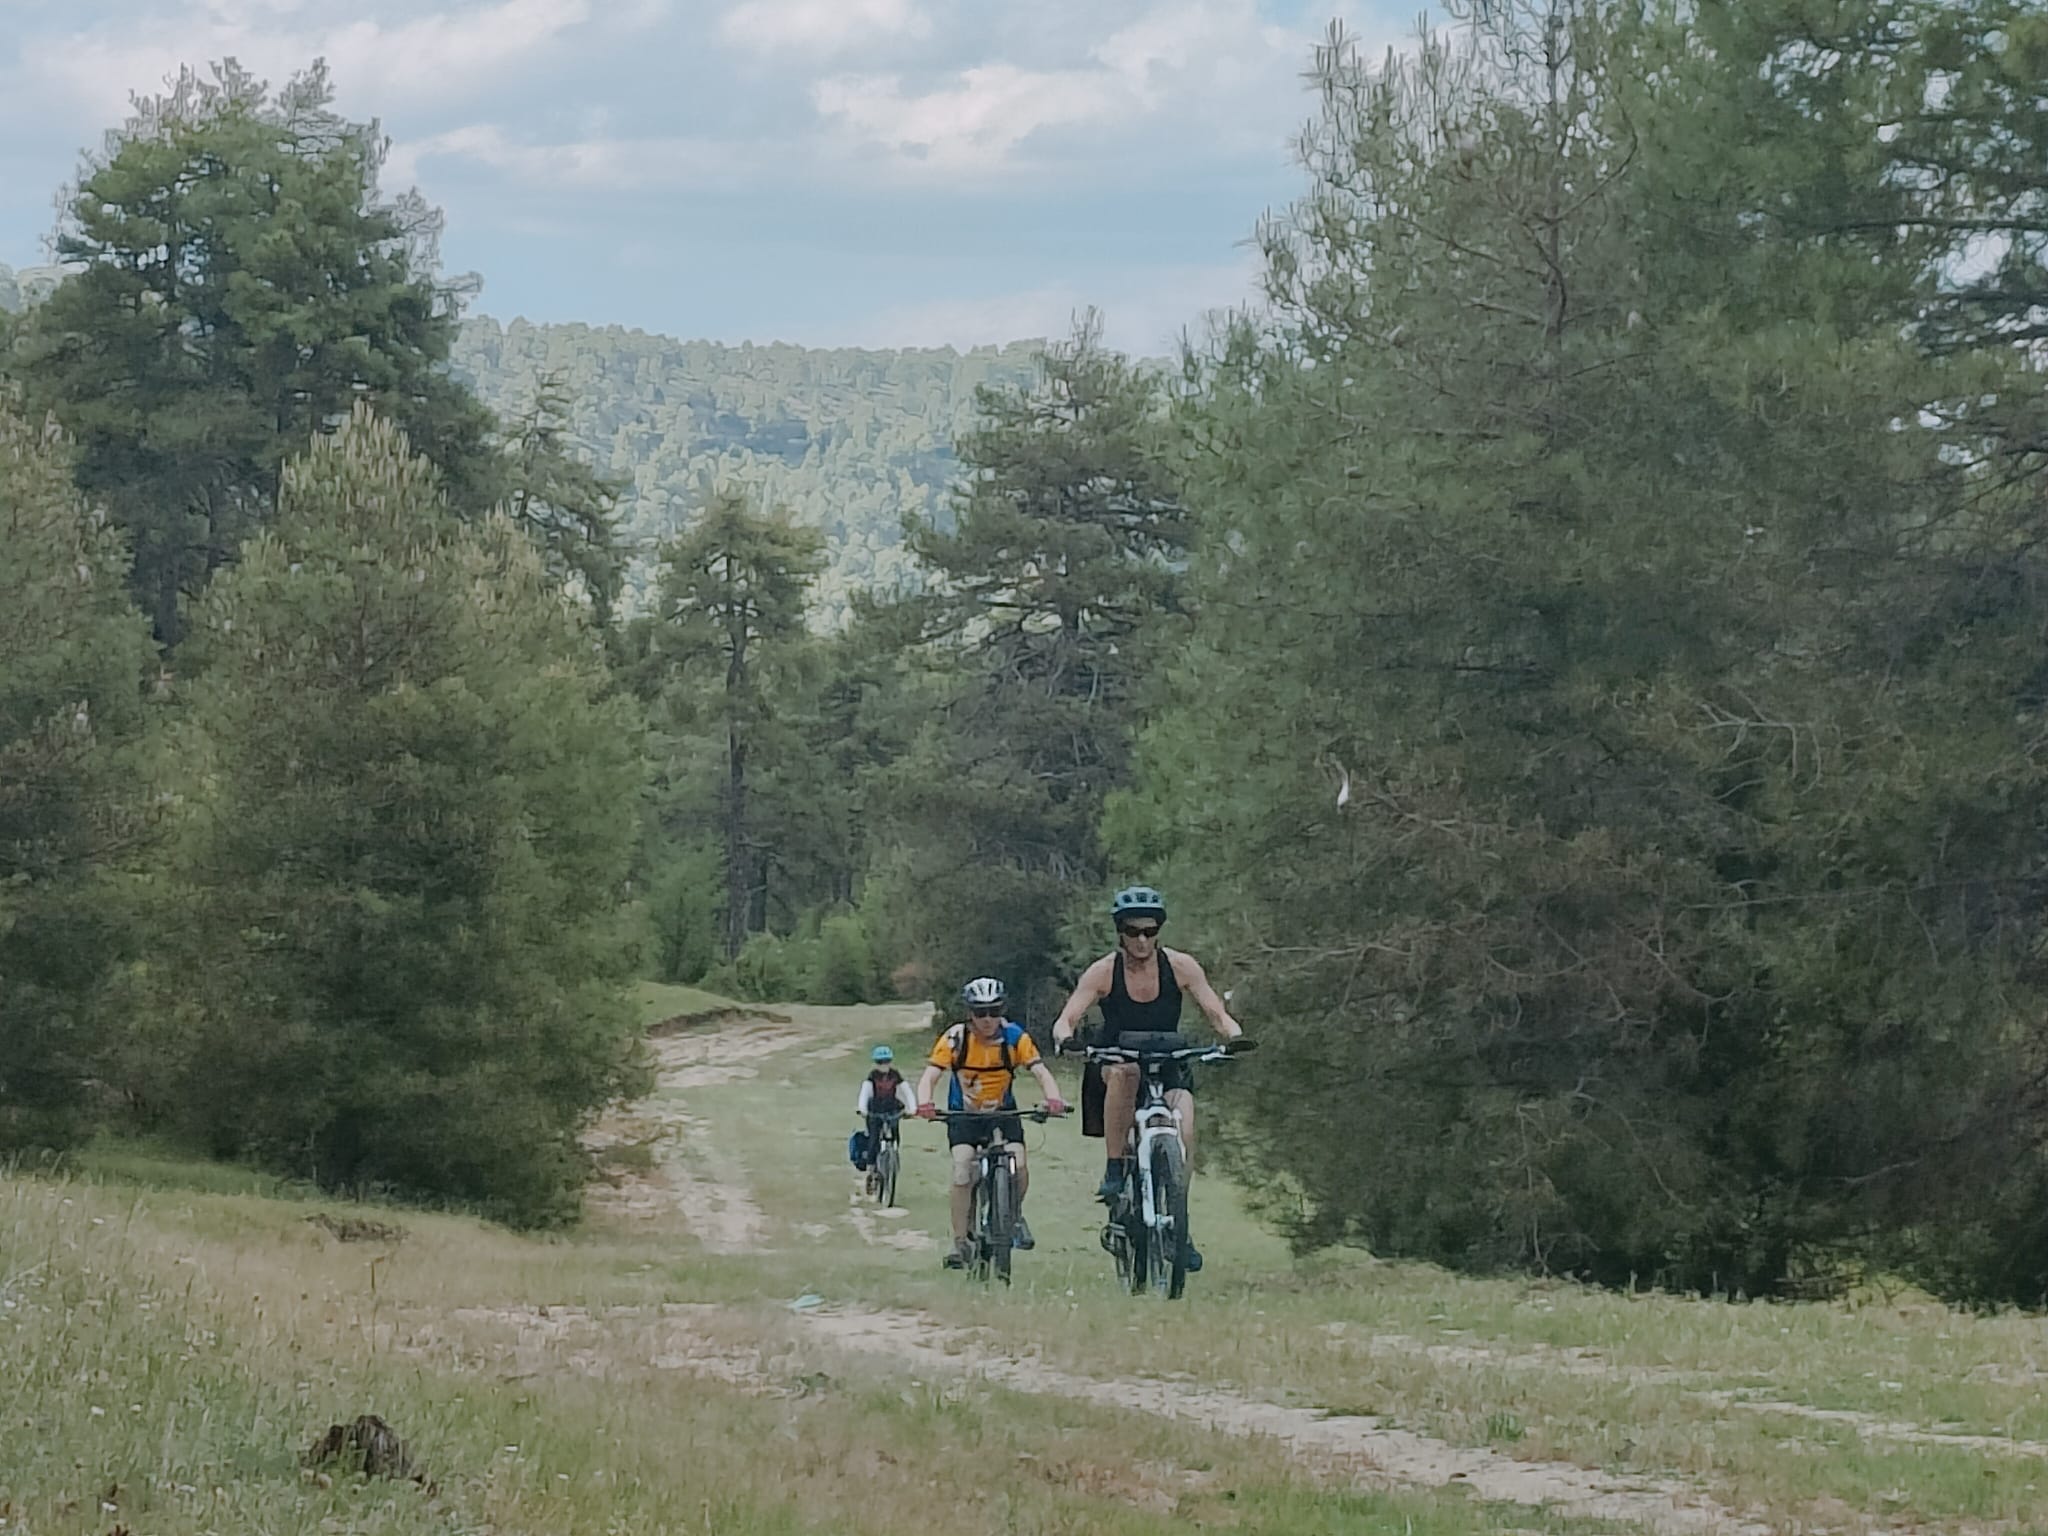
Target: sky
(825, 172)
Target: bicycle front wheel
(1167, 1250)
(885, 1175)
(1002, 1217)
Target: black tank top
(1122, 1015)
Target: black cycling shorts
(979, 1130)
(1172, 1074)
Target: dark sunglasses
(1140, 933)
(985, 1013)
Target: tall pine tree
(242, 286)
(1638, 616)
(74, 654)
(1051, 588)
(727, 628)
(404, 874)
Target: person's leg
(1119, 1112)
(962, 1191)
(1020, 1182)
(1183, 1101)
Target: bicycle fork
(1154, 1124)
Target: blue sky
(830, 172)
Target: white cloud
(594, 164)
(422, 59)
(1216, 47)
(430, 56)
(1214, 71)
(819, 26)
(971, 124)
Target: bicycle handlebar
(1221, 1051)
(1041, 1114)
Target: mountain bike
(885, 1157)
(1146, 1232)
(992, 1220)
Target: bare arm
(925, 1085)
(1048, 1085)
(1091, 989)
(1188, 972)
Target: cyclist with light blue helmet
(883, 1092)
(1139, 986)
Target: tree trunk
(165, 617)
(739, 905)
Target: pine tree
(566, 506)
(1629, 593)
(404, 877)
(242, 287)
(74, 654)
(1052, 588)
(727, 627)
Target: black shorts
(979, 1130)
(1172, 1074)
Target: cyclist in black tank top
(1139, 913)
(1123, 1014)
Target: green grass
(658, 1001)
(160, 1165)
(1314, 1332)
(166, 1378)
(217, 1331)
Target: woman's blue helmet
(882, 1055)
(1137, 901)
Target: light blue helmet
(1137, 901)
(881, 1055)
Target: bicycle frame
(998, 1148)
(1155, 1121)
(998, 1144)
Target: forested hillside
(849, 441)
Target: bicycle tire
(885, 1175)
(1132, 1267)
(1002, 1218)
(1169, 1268)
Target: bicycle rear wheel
(1167, 1249)
(1001, 1225)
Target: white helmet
(982, 992)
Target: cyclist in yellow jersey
(983, 1056)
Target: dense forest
(850, 442)
(1573, 656)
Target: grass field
(172, 1337)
